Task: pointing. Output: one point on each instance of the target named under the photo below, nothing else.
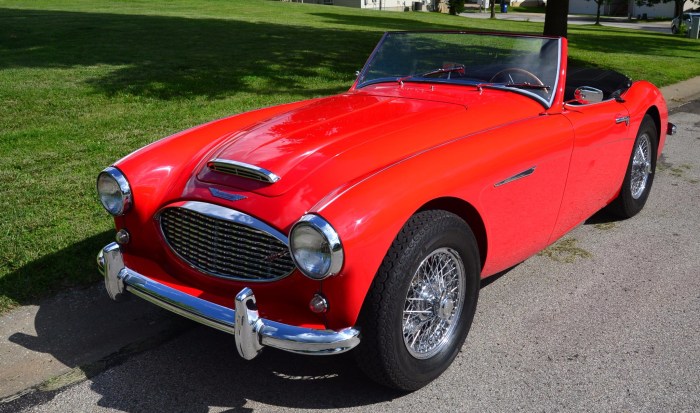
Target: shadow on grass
(173, 57)
(47, 274)
(393, 23)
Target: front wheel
(421, 304)
(640, 172)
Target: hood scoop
(243, 170)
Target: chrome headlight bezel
(329, 245)
(123, 196)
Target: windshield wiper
(527, 85)
(457, 68)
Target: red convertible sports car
(365, 221)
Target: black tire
(402, 302)
(632, 196)
(674, 29)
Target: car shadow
(201, 370)
(71, 266)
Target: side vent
(243, 170)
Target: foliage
(456, 6)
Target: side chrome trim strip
(515, 177)
(226, 164)
(623, 119)
(252, 333)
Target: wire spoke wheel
(422, 302)
(433, 303)
(641, 166)
(639, 175)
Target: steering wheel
(507, 76)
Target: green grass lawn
(84, 82)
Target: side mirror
(586, 95)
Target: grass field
(83, 83)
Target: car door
(527, 169)
(601, 152)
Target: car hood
(359, 132)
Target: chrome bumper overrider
(251, 332)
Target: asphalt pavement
(608, 323)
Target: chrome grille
(224, 248)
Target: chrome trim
(671, 129)
(110, 263)
(242, 169)
(588, 95)
(226, 195)
(621, 119)
(226, 214)
(124, 188)
(517, 176)
(122, 237)
(251, 332)
(331, 236)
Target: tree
(600, 3)
(492, 3)
(678, 4)
(556, 18)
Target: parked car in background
(365, 221)
(682, 21)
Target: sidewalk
(80, 333)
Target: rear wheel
(640, 172)
(421, 303)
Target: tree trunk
(493, 8)
(679, 7)
(597, 16)
(555, 19)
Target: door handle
(621, 119)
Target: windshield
(523, 64)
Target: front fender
(369, 213)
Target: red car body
(369, 159)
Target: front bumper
(251, 332)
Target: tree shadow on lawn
(395, 23)
(173, 57)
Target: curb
(681, 93)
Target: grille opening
(243, 170)
(224, 248)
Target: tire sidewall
(630, 205)
(425, 370)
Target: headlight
(315, 247)
(114, 191)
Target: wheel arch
(653, 111)
(468, 213)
